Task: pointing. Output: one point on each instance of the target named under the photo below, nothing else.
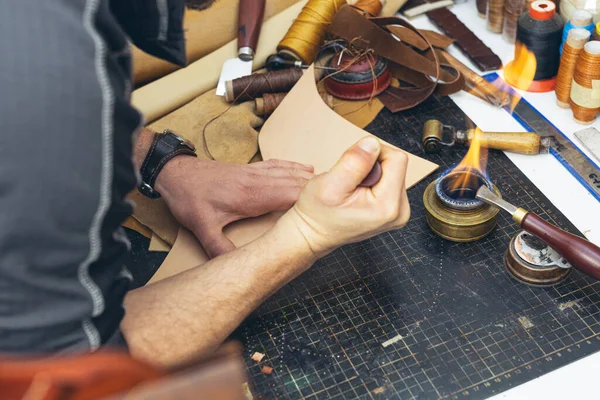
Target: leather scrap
(408, 36)
(220, 131)
(465, 39)
(370, 33)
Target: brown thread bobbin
(270, 101)
(495, 15)
(372, 7)
(481, 8)
(306, 35)
(253, 86)
(585, 89)
(512, 11)
(577, 38)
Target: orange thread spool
(585, 89)
(372, 7)
(306, 35)
(577, 38)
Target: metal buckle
(148, 191)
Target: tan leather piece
(231, 133)
(205, 31)
(135, 225)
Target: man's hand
(205, 195)
(333, 210)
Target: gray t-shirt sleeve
(65, 169)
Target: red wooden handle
(582, 254)
(250, 18)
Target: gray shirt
(67, 133)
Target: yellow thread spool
(305, 37)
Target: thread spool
(495, 15)
(306, 35)
(585, 89)
(576, 39)
(372, 7)
(579, 19)
(539, 33)
(253, 86)
(481, 8)
(512, 11)
(270, 101)
(596, 35)
(568, 7)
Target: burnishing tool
(250, 17)
(580, 253)
(516, 142)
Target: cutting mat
(409, 315)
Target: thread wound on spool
(512, 11)
(495, 15)
(253, 86)
(270, 101)
(576, 39)
(585, 89)
(306, 35)
(580, 19)
(539, 35)
(481, 8)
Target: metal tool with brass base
(530, 260)
(453, 212)
(580, 253)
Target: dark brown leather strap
(426, 72)
(470, 45)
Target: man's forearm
(141, 147)
(190, 314)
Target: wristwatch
(164, 147)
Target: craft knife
(250, 17)
(586, 171)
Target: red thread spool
(358, 79)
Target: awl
(250, 17)
(580, 253)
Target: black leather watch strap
(164, 147)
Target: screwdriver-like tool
(580, 253)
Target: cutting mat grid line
(407, 314)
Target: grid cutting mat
(409, 315)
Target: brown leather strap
(465, 39)
(426, 72)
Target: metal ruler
(585, 170)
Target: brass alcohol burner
(453, 212)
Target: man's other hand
(333, 209)
(205, 196)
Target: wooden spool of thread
(596, 35)
(372, 7)
(579, 19)
(495, 15)
(481, 8)
(270, 101)
(306, 35)
(253, 86)
(576, 39)
(585, 89)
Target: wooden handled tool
(250, 18)
(516, 142)
(580, 253)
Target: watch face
(182, 140)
